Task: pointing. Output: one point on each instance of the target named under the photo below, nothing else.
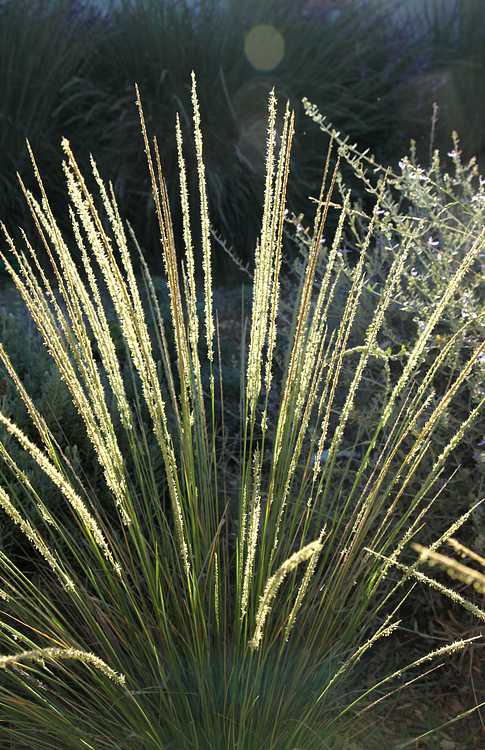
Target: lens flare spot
(264, 47)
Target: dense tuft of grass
(184, 610)
(44, 47)
(455, 65)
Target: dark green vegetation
(66, 71)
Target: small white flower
(478, 198)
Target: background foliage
(66, 69)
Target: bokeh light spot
(264, 47)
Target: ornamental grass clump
(183, 610)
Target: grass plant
(456, 64)
(184, 611)
(43, 48)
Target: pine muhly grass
(186, 613)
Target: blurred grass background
(374, 67)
